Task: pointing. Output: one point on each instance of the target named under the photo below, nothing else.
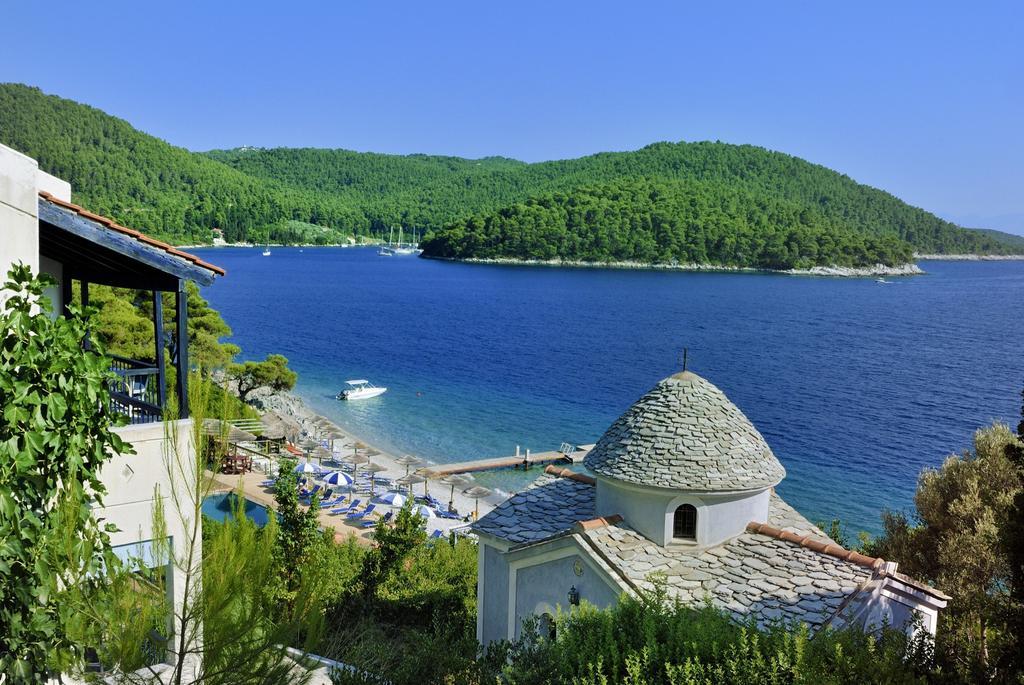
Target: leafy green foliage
(56, 433)
(653, 640)
(663, 222)
(124, 323)
(410, 615)
(958, 539)
(284, 195)
(272, 372)
(299, 545)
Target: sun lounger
(372, 523)
(348, 507)
(436, 534)
(360, 514)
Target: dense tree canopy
(664, 222)
(323, 196)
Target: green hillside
(666, 221)
(259, 194)
(148, 184)
(432, 192)
(1011, 240)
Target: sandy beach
(292, 407)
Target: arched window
(684, 524)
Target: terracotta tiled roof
(572, 475)
(599, 522)
(137, 235)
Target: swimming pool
(221, 507)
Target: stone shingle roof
(782, 569)
(685, 434)
(551, 505)
(750, 576)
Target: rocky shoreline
(830, 271)
(970, 257)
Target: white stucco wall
(131, 481)
(492, 594)
(541, 576)
(54, 269)
(19, 210)
(650, 511)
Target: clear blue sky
(923, 99)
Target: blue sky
(924, 99)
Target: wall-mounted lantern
(574, 596)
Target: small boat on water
(882, 280)
(360, 389)
(266, 250)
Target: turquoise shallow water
(856, 385)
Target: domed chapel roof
(685, 434)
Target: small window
(684, 524)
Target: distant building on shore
(684, 487)
(41, 227)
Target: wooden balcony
(139, 391)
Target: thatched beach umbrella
(454, 480)
(225, 431)
(411, 479)
(321, 453)
(355, 460)
(335, 435)
(477, 492)
(408, 461)
(372, 468)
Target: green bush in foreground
(657, 641)
(56, 433)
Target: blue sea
(856, 385)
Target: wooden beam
(158, 335)
(84, 287)
(122, 244)
(65, 293)
(181, 322)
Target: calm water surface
(856, 385)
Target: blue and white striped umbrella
(338, 478)
(306, 468)
(424, 511)
(395, 499)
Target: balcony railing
(138, 390)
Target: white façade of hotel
(39, 226)
(683, 487)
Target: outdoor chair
(348, 507)
(375, 522)
(360, 514)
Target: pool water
(221, 507)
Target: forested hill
(667, 222)
(431, 192)
(302, 194)
(148, 184)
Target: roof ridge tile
(816, 545)
(552, 470)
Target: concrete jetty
(572, 454)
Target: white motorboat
(360, 389)
(266, 250)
